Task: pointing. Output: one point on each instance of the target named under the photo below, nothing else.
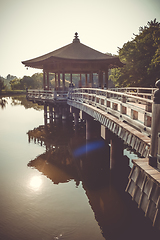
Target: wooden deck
(144, 188)
(144, 165)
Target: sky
(31, 28)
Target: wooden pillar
(155, 127)
(55, 85)
(80, 80)
(44, 79)
(63, 77)
(91, 79)
(47, 80)
(100, 79)
(106, 79)
(86, 80)
(58, 81)
(71, 78)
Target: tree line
(141, 57)
(36, 81)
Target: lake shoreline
(12, 92)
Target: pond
(48, 192)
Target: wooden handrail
(137, 111)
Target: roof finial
(76, 39)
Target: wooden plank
(144, 165)
(151, 171)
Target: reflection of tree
(53, 135)
(59, 170)
(3, 102)
(21, 100)
(57, 162)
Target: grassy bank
(12, 92)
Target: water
(47, 194)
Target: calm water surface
(46, 194)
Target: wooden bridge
(127, 113)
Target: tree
(37, 79)
(15, 84)
(1, 84)
(27, 82)
(141, 57)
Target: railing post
(55, 95)
(158, 152)
(123, 109)
(155, 126)
(134, 114)
(147, 119)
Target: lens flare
(88, 148)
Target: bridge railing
(137, 91)
(42, 95)
(136, 111)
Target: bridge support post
(65, 112)
(45, 114)
(105, 134)
(56, 112)
(89, 125)
(75, 112)
(116, 152)
(51, 113)
(155, 126)
(89, 128)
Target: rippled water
(46, 194)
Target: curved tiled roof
(75, 51)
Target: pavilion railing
(46, 95)
(135, 110)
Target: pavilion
(75, 58)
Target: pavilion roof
(73, 52)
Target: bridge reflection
(90, 169)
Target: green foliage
(15, 84)
(1, 83)
(36, 81)
(141, 57)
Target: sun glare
(35, 183)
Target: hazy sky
(30, 28)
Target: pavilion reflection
(91, 168)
